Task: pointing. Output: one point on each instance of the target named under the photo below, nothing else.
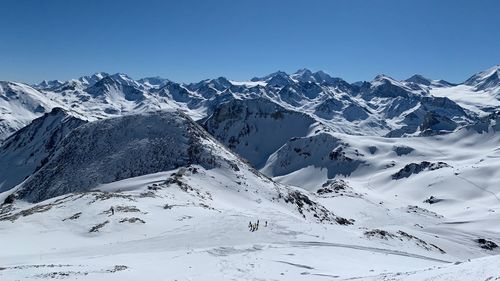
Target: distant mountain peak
(269, 76)
(418, 76)
(90, 80)
(303, 75)
(48, 84)
(279, 79)
(154, 81)
(303, 71)
(383, 78)
(487, 79)
(419, 79)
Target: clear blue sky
(190, 40)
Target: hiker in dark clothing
(112, 211)
(265, 225)
(251, 226)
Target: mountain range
(285, 177)
(384, 106)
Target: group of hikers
(255, 226)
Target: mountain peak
(48, 84)
(155, 81)
(382, 78)
(269, 76)
(279, 79)
(302, 70)
(483, 75)
(487, 79)
(121, 76)
(303, 75)
(90, 80)
(419, 79)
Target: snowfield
(284, 177)
(160, 231)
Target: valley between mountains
(299, 176)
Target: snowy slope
(192, 223)
(115, 149)
(479, 93)
(399, 174)
(487, 80)
(27, 149)
(189, 223)
(19, 105)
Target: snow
(479, 102)
(192, 241)
(144, 192)
(198, 242)
(19, 105)
(248, 83)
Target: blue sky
(191, 40)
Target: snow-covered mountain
(115, 149)
(29, 148)
(256, 128)
(423, 81)
(488, 80)
(105, 177)
(19, 105)
(383, 106)
(480, 93)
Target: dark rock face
(403, 150)
(486, 244)
(434, 124)
(488, 123)
(333, 186)
(403, 237)
(415, 168)
(432, 200)
(329, 108)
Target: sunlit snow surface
(203, 234)
(415, 208)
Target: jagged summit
(486, 80)
(419, 79)
(90, 80)
(303, 75)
